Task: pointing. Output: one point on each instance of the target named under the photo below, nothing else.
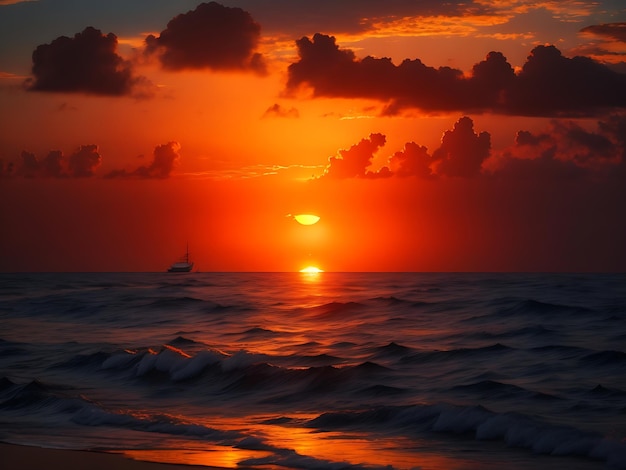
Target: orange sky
(132, 128)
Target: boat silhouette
(183, 265)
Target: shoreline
(25, 457)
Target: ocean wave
(603, 392)
(514, 429)
(316, 360)
(171, 302)
(256, 333)
(243, 370)
(11, 348)
(379, 390)
(335, 308)
(184, 341)
(456, 354)
(536, 307)
(393, 349)
(288, 458)
(172, 362)
(605, 358)
(37, 398)
(495, 390)
(559, 352)
(392, 301)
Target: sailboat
(182, 266)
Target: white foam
(194, 366)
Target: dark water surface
(327, 371)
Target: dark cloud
(461, 154)
(84, 161)
(211, 36)
(166, 157)
(616, 31)
(80, 164)
(412, 160)
(565, 150)
(545, 167)
(548, 84)
(462, 151)
(354, 162)
(28, 166)
(570, 142)
(276, 110)
(52, 165)
(86, 63)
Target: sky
(474, 135)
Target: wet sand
(16, 457)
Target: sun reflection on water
(351, 448)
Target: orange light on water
(352, 448)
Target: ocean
(319, 371)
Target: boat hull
(180, 268)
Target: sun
(306, 219)
(311, 270)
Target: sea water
(324, 371)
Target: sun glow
(311, 270)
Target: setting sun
(306, 219)
(311, 270)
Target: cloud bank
(548, 84)
(81, 164)
(165, 159)
(84, 162)
(563, 151)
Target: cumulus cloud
(29, 165)
(52, 164)
(462, 151)
(211, 36)
(276, 110)
(565, 150)
(412, 160)
(166, 157)
(84, 161)
(86, 63)
(81, 164)
(353, 162)
(548, 84)
(461, 154)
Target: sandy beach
(17, 457)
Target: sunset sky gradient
(427, 136)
